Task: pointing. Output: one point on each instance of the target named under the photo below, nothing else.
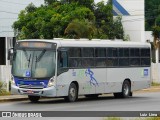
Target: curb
(12, 99)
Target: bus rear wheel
(34, 99)
(126, 90)
(72, 93)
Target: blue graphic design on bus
(145, 72)
(93, 81)
(28, 73)
(34, 83)
(73, 73)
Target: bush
(155, 84)
(3, 91)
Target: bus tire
(72, 93)
(126, 90)
(131, 94)
(34, 99)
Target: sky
(96, 1)
(9, 10)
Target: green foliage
(113, 118)
(80, 29)
(149, 118)
(2, 89)
(30, 8)
(156, 31)
(49, 2)
(54, 19)
(152, 12)
(104, 21)
(126, 38)
(155, 84)
(118, 28)
(138, 118)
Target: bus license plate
(30, 91)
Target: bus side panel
(139, 77)
(90, 81)
(82, 76)
(74, 75)
(144, 80)
(99, 77)
(62, 84)
(113, 81)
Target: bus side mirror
(10, 54)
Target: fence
(5, 75)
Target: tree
(80, 29)
(104, 20)
(118, 28)
(30, 8)
(51, 21)
(78, 19)
(49, 2)
(152, 11)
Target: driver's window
(63, 59)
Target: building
(132, 12)
(9, 10)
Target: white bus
(70, 68)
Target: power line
(12, 2)
(8, 18)
(9, 12)
(5, 31)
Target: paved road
(147, 101)
(139, 102)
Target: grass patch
(155, 84)
(112, 118)
(3, 90)
(138, 118)
(149, 118)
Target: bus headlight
(12, 80)
(51, 82)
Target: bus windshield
(34, 63)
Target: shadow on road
(84, 99)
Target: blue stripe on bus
(31, 82)
(120, 8)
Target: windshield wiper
(29, 60)
(26, 55)
(39, 57)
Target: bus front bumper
(46, 92)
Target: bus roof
(91, 43)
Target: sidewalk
(13, 98)
(25, 97)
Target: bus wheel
(126, 89)
(34, 99)
(72, 93)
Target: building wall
(148, 36)
(132, 12)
